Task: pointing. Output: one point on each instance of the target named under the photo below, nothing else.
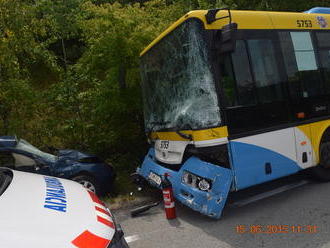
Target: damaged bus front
(183, 120)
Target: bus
(233, 99)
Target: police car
(43, 211)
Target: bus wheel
(322, 171)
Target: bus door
(262, 146)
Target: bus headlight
(204, 185)
(197, 182)
(189, 178)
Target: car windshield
(177, 82)
(26, 146)
(5, 179)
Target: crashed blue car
(86, 169)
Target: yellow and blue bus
(234, 99)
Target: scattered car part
(135, 212)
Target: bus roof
(254, 20)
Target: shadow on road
(295, 218)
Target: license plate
(155, 178)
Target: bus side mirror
(227, 38)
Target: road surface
(296, 218)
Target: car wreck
(88, 170)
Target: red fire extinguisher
(168, 198)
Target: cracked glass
(177, 82)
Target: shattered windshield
(26, 146)
(177, 82)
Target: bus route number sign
(164, 144)
(304, 24)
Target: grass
(126, 194)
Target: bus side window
(266, 74)
(323, 41)
(228, 79)
(244, 82)
(301, 66)
(253, 84)
(267, 86)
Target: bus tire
(321, 172)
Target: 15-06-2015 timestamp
(272, 229)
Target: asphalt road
(299, 217)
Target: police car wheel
(87, 181)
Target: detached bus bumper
(211, 202)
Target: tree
(62, 33)
(20, 51)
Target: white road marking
(132, 238)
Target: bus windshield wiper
(153, 125)
(177, 130)
(5, 180)
(184, 135)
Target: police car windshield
(26, 146)
(5, 178)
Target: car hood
(73, 154)
(42, 211)
(8, 141)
